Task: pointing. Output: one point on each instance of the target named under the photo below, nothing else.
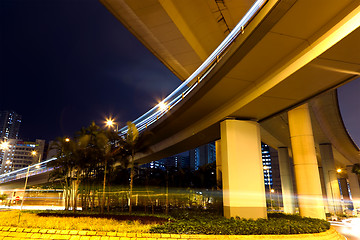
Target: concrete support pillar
(354, 187)
(218, 164)
(242, 170)
(330, 179)
(305, 163)
(286, 180)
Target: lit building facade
(20, 154)
(9, 125)
(266, 160)
(202, 155)
(177, 161)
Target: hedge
(187, 222)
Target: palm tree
(95, 146)
(134, 143)
(64, 166)
(101, 146)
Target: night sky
(349, 101)
(66, 63)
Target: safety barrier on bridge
(34, 169)
(194, 79)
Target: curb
(29, 233)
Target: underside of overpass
(277, 77)
(291, 52)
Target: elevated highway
(290, 52)
(275, 60)
(261, 83)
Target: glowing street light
(67, 139)
(111, 123)
(34, 153)
(4, 145)
(163, 106)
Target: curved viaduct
(290, 52)
(275, 82)
(266, 81)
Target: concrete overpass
(290, 52)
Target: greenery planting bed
(207, 223)
(180, 222)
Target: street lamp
(37, 165)
(331, 190)
(34, 153)
(163, 106)
(111, 123)
(67, 139)
(4, 145)
(26, 178)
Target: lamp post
(25, 185)
(34, 153)
(271, 192)
(110, 123)
(4, 145)
(332, 193)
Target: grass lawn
(31, 219)
(180, 222)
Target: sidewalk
(28, 233)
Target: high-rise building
(20, 154)
(266, 160)
(202, 155)
(9, 125)
(176, 161)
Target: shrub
(197, 222)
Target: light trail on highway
(350, 228)
(195, 78)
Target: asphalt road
(350, 228)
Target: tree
(92, 151)
(101, 147)
(134, 143)
(356, 169)
(64, 166)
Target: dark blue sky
(66, 63)
(349, 101)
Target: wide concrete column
(306, 171)
(218, 164)
(330, 179)
(242, 170)
(286, 180)
(354, 187)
